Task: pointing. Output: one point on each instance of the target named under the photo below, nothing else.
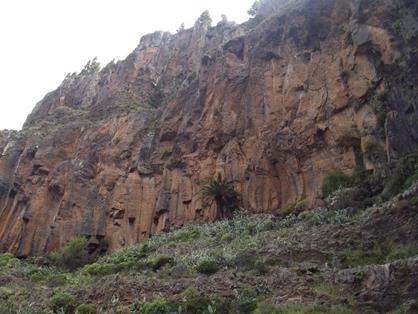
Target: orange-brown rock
(273, 107)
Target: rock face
(121, 152)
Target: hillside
(321, 261)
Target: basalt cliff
(273, 104)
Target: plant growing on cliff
(181, 28)
(403, 176)
(205, 18)
(397, 27)
(221, 191)
(73, 255)
(92, 66)
(157, 97)
(333, 181)
(166, 154)
(348, 39)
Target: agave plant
(221, 191)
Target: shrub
(365, 256)
(299, 309)
(329, 289)
(254, 22)
(414, 201)
(62, 301)
(261, 268)
(166, 154)
(57, 280)
(401, 252)
(159, 261)
(73, 255)
(196, 304)
(348, 40)
(5, 258)
(207, 267)
(226, 237)
(245, 260)
(397, 27)
(248, 306)
(158, 306)
(157, 97)
(295, 207)
(404, 175)
(205, 18)
(305, 215)
(85, 309)
(187, 233)
(97, 269)
(334, 180)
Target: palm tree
(222, 192)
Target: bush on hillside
(334, 180)
(73, 255)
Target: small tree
(92, 66)
(221, 191)
(205, 17)
(334, 180)
(254, 9)
(181, 28)
(224, 18)
(73, 255)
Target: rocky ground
(318, 261)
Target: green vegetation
(328, 289)
(62, 301)
(402, 251)
(246, 250)
(299, 309)
(85, 309)
(92, 66)
(294, 207)
(73, 255)
(207, 267)
(159, 261)
(397, 27)
(404, 175)
(222, 192)
(166, 154)
(158, 306)
(333, 181)
(378, 253)
(157, 97)
(254, 22)
(181, 28)
(348, 40)
(205, 18)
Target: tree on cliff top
(181, 28)
(221, 191)
(205, 18)
(92, 66)
(267, 7)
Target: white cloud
(43, 40)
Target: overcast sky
(43, 40)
